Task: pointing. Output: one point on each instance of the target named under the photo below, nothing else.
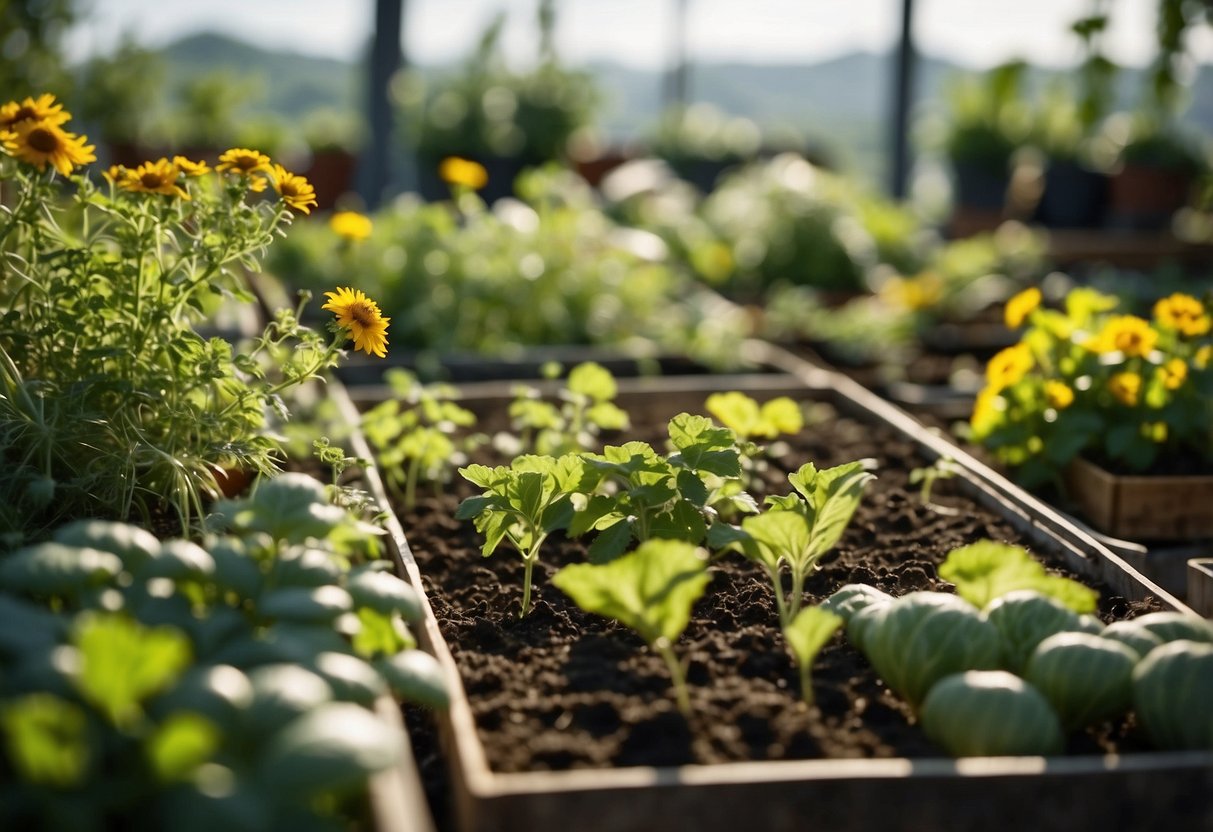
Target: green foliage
(1173, 626)
(989, 118)
(1173, 695)
(1086, 678)
(943, 468)
(586, 409)
(650, 590)
(522, 504)
(807, 633)
(1024, 618)
(990, 713)
(986, 570)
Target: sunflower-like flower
(295, 190)
(39, 142)
(191, 168)
(1126, 387)
(350, 225)
(1183, 313)
(1009, 366)
(1020, 306)
(1128, 334)
(361, 318)
(1059, 394)
(986, 408)
(42, 108)
(247, 163)
(456, 170)
(158, 177)
(1174, 372)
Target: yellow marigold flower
(1174, 373)
(191, 168)
(1020, 306)
(1128, 334)
(360, 316)
(1009, 366)
(985, 409)
(295, 190)
(245, 162)
(1126, 387)
(158, 177)
(351, 225)
(42, 108)
(39, 142)
(1059, 394)
(1203, 356)
(455, 170)
(1183, 313)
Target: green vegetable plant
(1025, 618)
(807, 633)
(522, 504)
(419, 435)
(751, 421)
(797, 529)
(1086, 678)
(651, 590)
(631, 492)
(1173, 694)
(586, 409)
(943, 468)
(987, 569)
(990, 713)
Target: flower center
(43, 141)
(246, 163)
(362, 313)
(22, 114)
(151, 179)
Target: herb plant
(522, 504)
(650, 590)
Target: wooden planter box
(1200, 585)
(1129, 792)
(1142, 508)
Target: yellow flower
(191, 168)
(1009, 366)
(351, 225)
(1020, 306)
(1202, 357)
(458, 171)
(1174, 373)
(985, 409)
(295, 190)
(1059, 394)
(360, 316)
(159, 177)
(919, 292)
(1128, 334)
(1126, 387)
(38, 142)
(1183, 313)
(43, 108)
(116, 173)
(245, 162)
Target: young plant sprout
(650, 590)
(522, 504)
(751, 421)
(806, 635)
(586, 410)
(943, 468)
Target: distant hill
(841, 104)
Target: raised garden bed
(561, 720)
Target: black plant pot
(978, 187)
(1074, 196)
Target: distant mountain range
(842, 104)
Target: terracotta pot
(1146, 197)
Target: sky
(639, 33)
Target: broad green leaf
(608, 416)
(598, 513)
(781, 415)
(131, 543)
(611, 542)
(483, 476)
(986, 570)
(57, 569)
(473, 507)
(692, 488)
(379, 635)
(416, 677)
(809, 631)
(218, 692)
(592, 380)
(180, 745)
(842, 495)
(45, 739)
(178, 560)
(282, 693)
(385, 593)
(122, 662)
(332, 749)
(736, 411)
(682, 522)
(650, 590)
(702, 446)
(776, 536)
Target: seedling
(806, 635)
(751, 421)
(650, 590)
(522, 504)
(586, 410)
(986, 570)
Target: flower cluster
(111, 401)
(1090, 380)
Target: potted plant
(1112, 408)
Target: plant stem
(677, 674)
(806, 685)
(777, 584)
(528, 565)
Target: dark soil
(564, 689)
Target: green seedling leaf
(380, 634)
(743, 415)
(416, 677)
(332, 749)
(122, 663)
(986, 570)
(55, 569)
(611, 542)
(180, 745)
(809, 631)
(776, 536)
(702, 446)
(45, 739)
(593, 381)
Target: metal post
(386, 58)
(903, 91)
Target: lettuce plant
(1173, 694)
(987, 569)
(522, 504)
(990, 713)
(806, 635)
(651, 590)
(1085, 677)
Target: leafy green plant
(943, 468)
(799, 528)
(650, 590)
(990, 713)
(420, 435)
(986, 570)
(1024, 618)
(522, 504)
(1173, 694)
(1085, 677)
(807, 633)
(631, 492)
(586, 410)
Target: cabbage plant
(990, 713)
(1173, 695)
(1087, 678)
(1024, 618)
